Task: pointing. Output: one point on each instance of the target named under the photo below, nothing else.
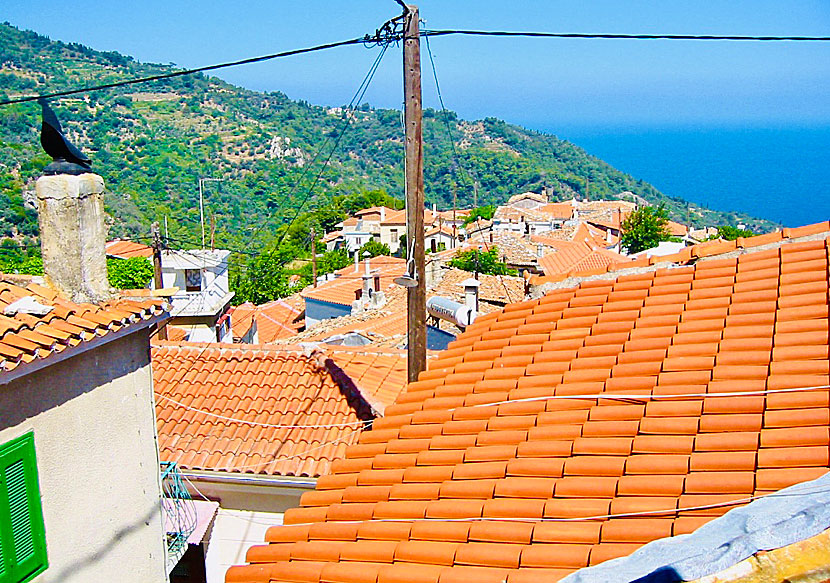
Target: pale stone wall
(97, 457)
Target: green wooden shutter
(22, 534)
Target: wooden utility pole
(159, 283)
(454, 224)
(416, 297)
(313, 257)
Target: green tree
(132, 273)
(477, 261)
(485, 212)
(375, 248)
(264, 279)
(645, 228)
(731, 233)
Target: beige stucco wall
(94, 424)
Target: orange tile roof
(342, 289)
(559, 210)
(267, 409)
(677, 230)
(27, 339)
(577, 256)
(568, 430)
(278, 319)
(691, 254)
(399, 217)
(126, 249)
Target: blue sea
(780, 174)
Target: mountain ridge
(152, 142)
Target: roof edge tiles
(699, 253)
(789, 516)
(30, 341)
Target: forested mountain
(153, 141)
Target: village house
(81, 489)
(351, 289)
(198, 284)
(265, 323)
(622, 406)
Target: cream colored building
(83, 412)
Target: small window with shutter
(22, 534)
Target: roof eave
(24, 369)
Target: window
(22, 535)
(193, 280)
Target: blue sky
(545, 84)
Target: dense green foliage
(132, 273)
(485, 212)
(477, 261)
(645, 228)
(153, 142)
(375, 248)
(731, 233)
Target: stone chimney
(540, 250)
(471, 286)
(73, 236)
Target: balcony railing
(179, 512)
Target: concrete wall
(95, 439)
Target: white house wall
(93, 420)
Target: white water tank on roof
(450, 310)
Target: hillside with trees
(152, 142)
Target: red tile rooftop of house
(577, 256)
(342, 289)
(26, 336)
(572, 429)
(126, 249)
(279, 319)
(265, 409)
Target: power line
(183, 72)
(579, 35)
(358, 96)
(454, 152)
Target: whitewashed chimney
(73, 235)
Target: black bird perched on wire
(66, 158)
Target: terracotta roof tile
(267, 409)
(687, 398)
(124, 249)
(26, 338)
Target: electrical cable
(455, 152)
(259, 424)
(577, 35)
(354, 41)
(348, 437)
(361, 91)
(676, 510)
(646, 396)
